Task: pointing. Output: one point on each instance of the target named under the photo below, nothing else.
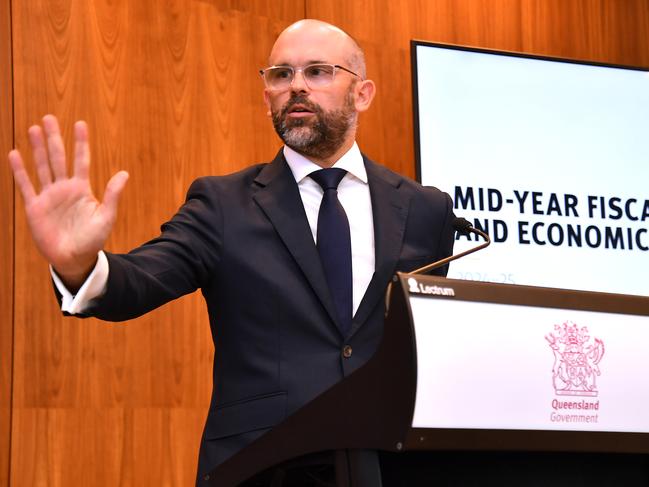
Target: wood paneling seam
(13, 250)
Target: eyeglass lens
(315, 75)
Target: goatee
(321, 138)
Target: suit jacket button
(347, 351)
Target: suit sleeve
(446, 236)
(441, 207)
(179, 261)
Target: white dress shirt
(353, 194)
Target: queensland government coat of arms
(576, 360)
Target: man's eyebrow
(309, 62)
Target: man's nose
(299, 82)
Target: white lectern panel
(503, 366)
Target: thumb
(113, 190)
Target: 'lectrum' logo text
(417, 287)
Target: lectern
(509, 385)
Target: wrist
(74, 275)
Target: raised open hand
(69, 225)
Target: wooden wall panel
(6, 242)
(171, 92)
(609, 31)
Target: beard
(319, 136)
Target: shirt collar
(351, 161)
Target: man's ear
(267, 102)
(365, 91)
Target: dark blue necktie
(335, 244)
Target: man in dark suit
(283, 329)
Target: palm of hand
(67, 221)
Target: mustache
(300, 100)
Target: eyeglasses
(315, 75)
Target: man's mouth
(298, 110)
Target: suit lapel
(390, 212)
(279, 198)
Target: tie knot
(328, 178)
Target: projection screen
(549, 156)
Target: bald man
(249, 242)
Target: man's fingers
(81, 150)
(113, 190)
(39, 153)
(20, 176)
(55, 146)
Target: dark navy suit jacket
(244, 240)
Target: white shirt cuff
(93, 287)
